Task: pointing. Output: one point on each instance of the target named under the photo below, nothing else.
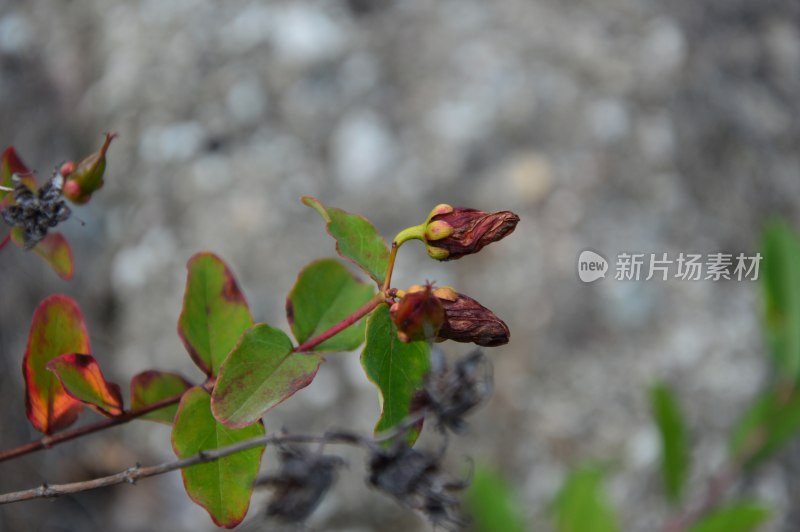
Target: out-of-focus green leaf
(152, 386)
(739, 517)
(582, 506)
(223, 487)
(765, 426)
(674, 441)
(54, 249)
(261, 371)
(326, 293)
(396, 368)
(780, 280)
(215, 312)
(356, 239)
(492, 503)
(82, 379)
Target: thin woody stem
(60, 437)
(132, 474)
(365, 309)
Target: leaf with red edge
(356, 239)
(215, 312)
(223, 487)
(57, 328)
(10, 164)
(260, 372)
(81, 377)
(152, 386)
(54, 249)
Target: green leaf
(582, 506)
(780, 281)
(356, 239)
(738, 517)
(54, 249)
(223, 487)
(57, 328)
(152, 386)
(674, 441)
(82, 379)
(215, 313)
(260, 372)
(396, 368)
(770, 422)
(492, 504)
(325, 294)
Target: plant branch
(5, 241)
(132, 474)
(60, 437)
(365, 309)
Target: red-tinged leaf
(57, 328)
(81, 377)
(356, 239)
(54, 249)
(260, 372)
(215, 312)
(10, 164)
(223, 487)
(152, 386)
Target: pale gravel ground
(613, 125)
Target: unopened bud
(87, 176)
(67, 168)
(451, 233)
(418, 314)
(466, 320)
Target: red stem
(342, 325)
(5, 241)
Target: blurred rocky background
(615, 125)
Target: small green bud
(87, 175)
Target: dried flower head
(414, 478)
(35, 212)
(453, 391)
(466, 320)
(452, 232)
(418, 314)
(300, 484)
